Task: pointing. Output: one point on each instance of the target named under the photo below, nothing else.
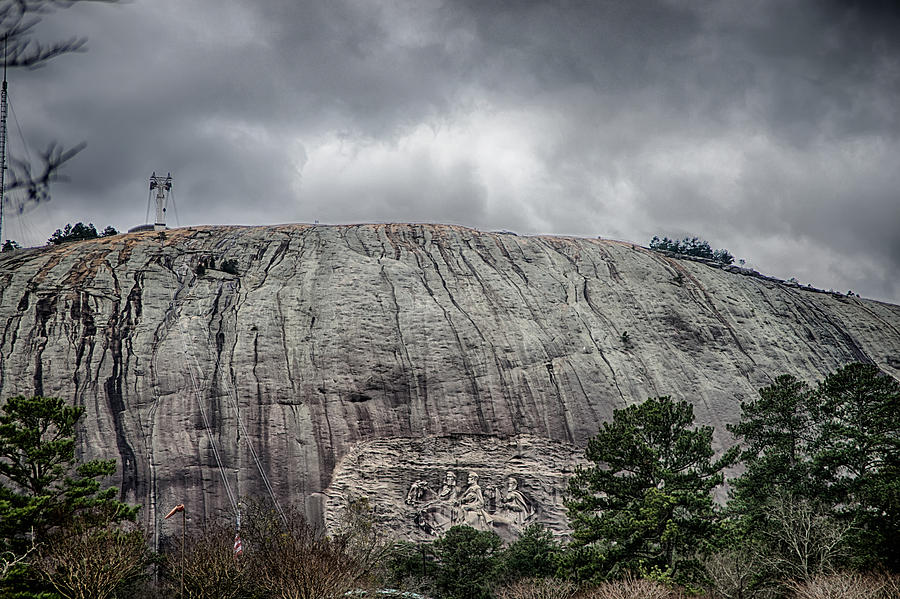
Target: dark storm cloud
(767, 127)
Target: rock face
(372, 360)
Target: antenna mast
(3, 113)
(162, 185)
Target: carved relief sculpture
(435, 513)
(472, 505)
(515, 507)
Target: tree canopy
(78, 232)
(835, 447)
(645, 502)
(467, 563)
(691, 246)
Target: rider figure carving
(472, 504)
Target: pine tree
(42, 488)
(646, 502)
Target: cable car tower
(163, 186)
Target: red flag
(238, 548)
(177, 508)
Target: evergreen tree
(646, 502)
(777, 430)
(535, 554)
(42, 489)
(468, 563)
(691, 246)
(834, 449)
(857, 456)
(78, 232)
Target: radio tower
(3, 112)
(162, 186)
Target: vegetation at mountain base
(691, 246)
(813, 515)
(646, 502)
(10, 245)
(833, 453)
(79, 232)
(45, 494)
(535, 554)
(468, 562)
(99, 562)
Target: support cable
(174, 207)
(149, 199)
(206, 424)
(231, 393)
(12, 110)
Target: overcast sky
(768, 127)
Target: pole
(3, 109)
(424, 574)
(176, 509)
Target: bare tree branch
(36, 187)
(18, 19)
(94, 562)
(9, 560)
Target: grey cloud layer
(767, 127)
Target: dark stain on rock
(43, 311)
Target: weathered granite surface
(367, 358)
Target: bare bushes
(632, 588)
(539, 588)
(802, 538)
(284, 557)
(211, 570)
(94, 562)
(293, 560)
(732, 573)
(628, 588)
(848, 585)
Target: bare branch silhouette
(29, 183)
(36, 187)
(18, 19)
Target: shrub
(291, 558)
(94, 562)
(847, 585)
(632, 588)
(211, 570)
(539, 588)
(468, 561)
(230, 266)
(535, 554)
